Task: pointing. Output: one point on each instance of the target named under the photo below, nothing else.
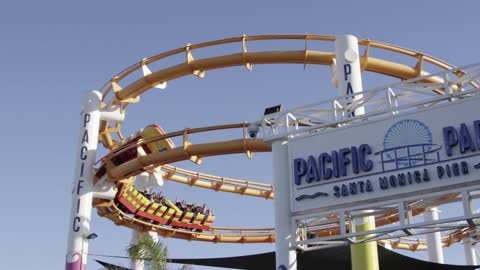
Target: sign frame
(390, 120)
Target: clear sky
(52, 52)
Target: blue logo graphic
(282, 267)
(408, 143)
(313, 196)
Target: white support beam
(434, 240)
(81, 209)
(286, 256)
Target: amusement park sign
(431, 150)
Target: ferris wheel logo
(408, 143)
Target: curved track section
(124, 95)
(111, 211)
(195, 153)
(225, 234)
(118, 93)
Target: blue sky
(52, 52)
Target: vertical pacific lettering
(79, 186)
(347, 70)
(85, 137)
(81, 169)
(76, 228)
(78, 205)
(83, 155)
(86, 119)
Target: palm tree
(152, 252)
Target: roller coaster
(152, 150)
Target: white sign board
(415, 153)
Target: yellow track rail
(215, 234)
(115, 94)
(131, 93)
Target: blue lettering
(417, 176)
(79, 186)
(336, 191)
(299, 169)
(83, 156)
(364, 150)
(401, 179)
(86, 119)
(369, 186)
(326, 172)
(450, 139)
(76, 228)
(85, 137)
(464, 166)
(426, 176)
(353, 188)
(362, 186)
(455, 169)
(476, 127)
(393, 181)
(347, 70)
(349, 89)
(343, 160)
(354, 152)
(336, 172)
(466, 141)
(440, 172)
(312, 171)
(383, 181)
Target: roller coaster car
(124, 153)
(168, 214)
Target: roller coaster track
(116, 96)
(225, 234)
(131, 93)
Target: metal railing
(381, 102)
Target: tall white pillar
(469, 248)
(349, 83)
(348, 72)
(285, 254)
(434, 240)
(81, 209)
(140, 264)
(136, 264)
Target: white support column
(80, 214)
(140, 264)
(349, 83)
(136, 264)
(469, 248)
(348, 72)
(286, 256)
(434, 240)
